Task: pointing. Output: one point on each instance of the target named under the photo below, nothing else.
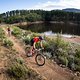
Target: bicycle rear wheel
(27, 50)
(40, 59)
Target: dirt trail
(50, 71)
(17, 45)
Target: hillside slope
(50, 71)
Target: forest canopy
(16, 16)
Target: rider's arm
(34, 45)
(41, 44)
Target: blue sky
(8, 5)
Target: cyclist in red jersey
(33, 44)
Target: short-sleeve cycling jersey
(36, 39)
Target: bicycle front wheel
(40, 59)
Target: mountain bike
(39, 56)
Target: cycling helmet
(41, 38)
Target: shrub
(35, 35)
(45, 44)
(57, 46)
(8, 43)
(60, 43)
(17, 32)
(77, 54)
(2, 34)
(20, 60)
(27, 40)
(25, 33)
(77, 67)
(63, 60)
(17, 70)
(77, 60)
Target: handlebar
(38, 49)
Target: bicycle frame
(38, 51)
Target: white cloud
(61, 4)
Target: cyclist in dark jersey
(33, 43)
(9, 31)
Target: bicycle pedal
(29, 55)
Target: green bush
(77, 60)
(77, 54)
(57, 46)
(25, 33)
(2, 34)
(77, 67)
(45, 44)
(17, 70)
(26, 40)
(60, 43)
(8, 43)
(20, 60)
(17, 32)
(63, 60)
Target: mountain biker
(9, 31)
(33, 44)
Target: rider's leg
(9, 33)
(31, 48)
(30, 52)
